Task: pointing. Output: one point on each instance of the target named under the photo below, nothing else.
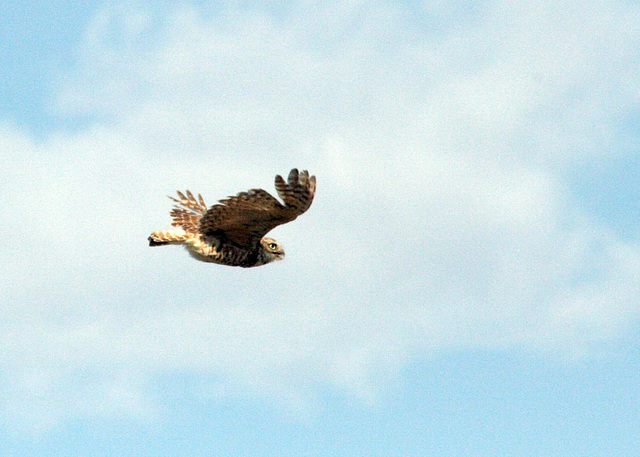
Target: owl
(233, 231)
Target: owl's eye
(273, 246)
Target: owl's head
(272, 249)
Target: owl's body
(214, 250)
(232, 231)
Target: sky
(465, 283)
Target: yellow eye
(273, 246)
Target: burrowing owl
(233, 231)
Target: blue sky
(466, 282)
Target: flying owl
(233, 231)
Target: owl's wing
(247, 217)
(188, 211)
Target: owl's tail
(162, 238)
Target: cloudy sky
(465, 283)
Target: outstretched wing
(247, 217)
(188, 211)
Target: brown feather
(247, 217)
(187, 212)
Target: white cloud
(442, 218)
